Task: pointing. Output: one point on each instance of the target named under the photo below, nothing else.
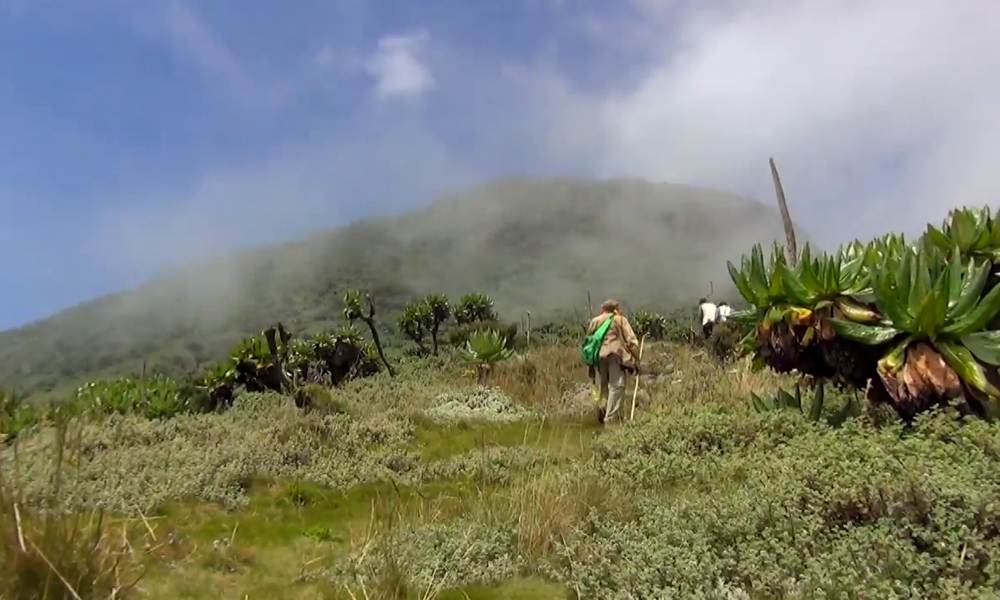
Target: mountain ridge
(537, 244)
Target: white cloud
(398, 68)
(879, 113)
(303, 188)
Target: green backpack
(591, 348)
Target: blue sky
(137, 135)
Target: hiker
(708, 314)
(722, 312)
(618, 354)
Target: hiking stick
(635, 390)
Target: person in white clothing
(708, 314)
(722, 312)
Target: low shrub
(724, 502)
(17, 415)
(477, 403)
(319, 398)
(680, 332)
(459, 334)
(725, 340)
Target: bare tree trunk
(434, 337)
(277, 365)
(786, 219)
(370, 321)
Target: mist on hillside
(864, 143)
(533, 244)
(877, 114)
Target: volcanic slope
(532, 244)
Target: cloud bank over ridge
(878, 113)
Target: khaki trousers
(611, 382)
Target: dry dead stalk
(786, 218)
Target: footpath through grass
(429, 487)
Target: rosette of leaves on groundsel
(791, 308)
(650, 325)
(484, 349)
(937, 307)
(474, 307)
(812, 409)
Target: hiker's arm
(631, 342)
(591, 327)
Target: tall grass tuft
(52, 554)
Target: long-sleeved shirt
(619, 341)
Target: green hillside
(533, 244)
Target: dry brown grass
(546, 375)
(375, 538)
(685, 374)
(546, 507)
(549, 506)
(55, 555)
(542, 377)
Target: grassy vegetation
(533, 245)
(477, 468)
(399, 492)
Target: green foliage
(813, 411)
(439, 307)
(255, 365)
(440, 310)
(699, 492)
(319, 358)
(650, 325)
(155, 397)
(693, 492)
(872, 510)
(927, 295)
(976, 233)
(353, 301)
(726, 338)
(348, 334)
(559, 332)
(680, 331)
(475, 308)
(916, 320)
(250, 366)
(484, 349)
(129, 465)
(416, 320)
(487, 347)
(16, 415)
(315, 396)
(217, 384)
(312, 365)
(460, 335)
(353, 311)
